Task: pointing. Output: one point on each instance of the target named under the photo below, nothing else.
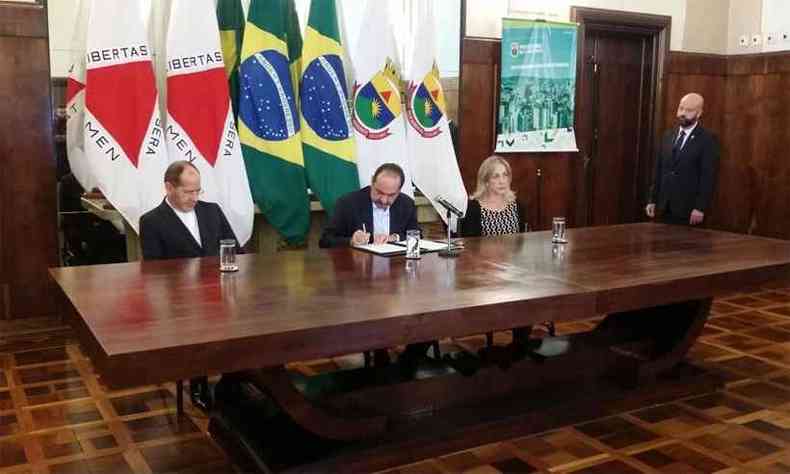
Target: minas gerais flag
(124, 139)
(200, 127)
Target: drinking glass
(227, 255)
(413, 244)
(558, 230)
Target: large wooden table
(150, 322)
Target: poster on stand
(537, 87)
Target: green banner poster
(538, 86)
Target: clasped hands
(361, 238)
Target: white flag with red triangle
(200, 126)
(124, 139)
(75, 102)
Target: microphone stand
(449, 252)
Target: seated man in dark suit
(377, 213)
(184, 227)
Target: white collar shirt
(190, 221)
(687, 132)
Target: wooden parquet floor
(56, 417)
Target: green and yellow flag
(327, 138)
(269, 125)
(294, 35)
(230, 17)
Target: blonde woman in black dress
(495, 210)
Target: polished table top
(146, 322)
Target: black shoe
(501, 356)
(199, 394)
(381, 358)
(523, 349)
(463, 362)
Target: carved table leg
(654, 340)
(278, 384)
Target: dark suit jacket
(355, 208)
(472, 226)
(164, 235)
(685, 182)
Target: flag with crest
(380, 134)
(431, 155)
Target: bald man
(686, 167)
(183, 226)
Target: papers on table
(430, 245)
(382, 249)
(399, 248)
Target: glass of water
(413, 244)
(558, 230)
(227, 255)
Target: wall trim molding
(682, 62)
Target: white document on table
(382, 249)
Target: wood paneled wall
(28, 206)
(747, 102)
(747, 107)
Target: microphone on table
(448, 206)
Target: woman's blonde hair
(484, 174)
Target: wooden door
(618, 72)
(28, 225)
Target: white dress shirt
(687, 131)
(381, 220)
(190, 221)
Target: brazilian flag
(327, 138)
(230, 17)
(294, 44)
(269, 125)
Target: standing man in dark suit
(686, 168)
(184, 227)
(377, 213)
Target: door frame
(656, 27)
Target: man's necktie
(678, 144)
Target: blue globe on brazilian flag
(377, 103)
(327, 141)
(323, 92)
(269, 124)
(426, 105)
(268, 105)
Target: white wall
(484, 17)
(776, 23)
(707, 26)
(704, 26)
(768, 20)
(745, 20)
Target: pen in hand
(360, 237)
